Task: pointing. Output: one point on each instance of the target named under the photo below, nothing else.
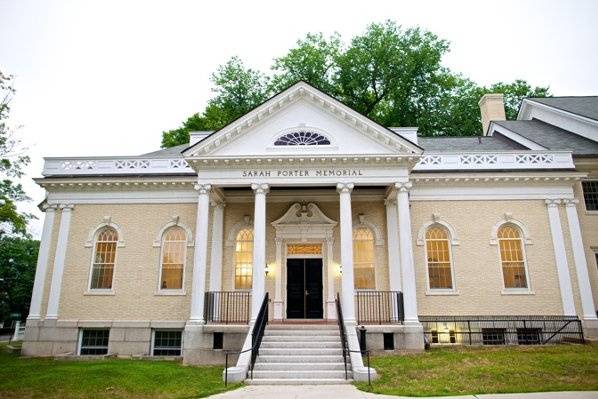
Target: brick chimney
(492, 108)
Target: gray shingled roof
(552, 137)
(167, 152)
(586, 106)
(470, 143)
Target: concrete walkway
(350, 392)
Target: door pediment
(304, 221)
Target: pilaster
(59, 257)
(201, 254)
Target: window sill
(170, 293)
(591, 213)
(441, 292)
(517, 292)
(99, 293)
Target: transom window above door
(302, 138)
(304, 249)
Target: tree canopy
(393, 75)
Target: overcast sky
(107, 77)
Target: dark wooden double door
(304, 289)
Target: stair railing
(345, 344)
(256, 340)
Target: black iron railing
(379, 307)
(227, 307)
(345, 344)
(256, 340)
(501, 330)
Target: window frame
(374, 263)
(172, 291)
(153, 341)
(80, 340)
(103, 291)
(234, 257)
(449, 238)
(522, 240)
(583, 197)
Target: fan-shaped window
(439, 258)
(512, 257)
(302, 138)
(363, 258)
(243, 259)
(174, 244)
(103, 259)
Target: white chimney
(196, 137)
(492, 108)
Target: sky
(107, 77)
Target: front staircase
(300, 354)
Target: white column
(562, 268)
(200, 256)
(392, 232)
(278, 312)
(330, 304)
(42, 264)
(406, 245)
(346, 229)
(216, 249)
(59, 256)
(259, 248)
(581, 264)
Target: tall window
(363, 258)
(174, 243)
(439, 258)
(511, 257)
(243, 259)
(103, 260)
(590, 194)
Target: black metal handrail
(256, 339)
(344, 343)
(379, 307)
(227, 307)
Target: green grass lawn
(477, 370)
(110, 378)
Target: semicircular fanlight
(302, 138)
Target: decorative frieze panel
(114, 166)
(496, 161)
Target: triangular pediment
(304, 111)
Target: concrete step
(298, 374)
(301, 338)
(301, 344)
(300, 326)
(300, 366)
(300, 351)
(264, 358)
(314, 333)
(298, 381)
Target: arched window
(302, 138)
(103, 259)
(174, 242)
(363, 258)
(243, 259)
(512, 257)
(438, 256)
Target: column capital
(260, 188)
(66, 207)
(202, 188)
(552, 203)
(570, 202)
(49, 207)
(344, 187)
(403, 186)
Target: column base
(590, 328)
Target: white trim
(452, 241)
(231, 238)
(363, 221)
(59, 258)
(437, 219)
(91, 236)
(506, 219)
(532, 145)
(175, 221)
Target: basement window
(493, 336)
(389, 341)
(93, 341)
(529, 336)
(167, 343)
(218, 340)
(434, 336)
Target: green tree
(393, 75)
(12, 162)
(18, 258)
